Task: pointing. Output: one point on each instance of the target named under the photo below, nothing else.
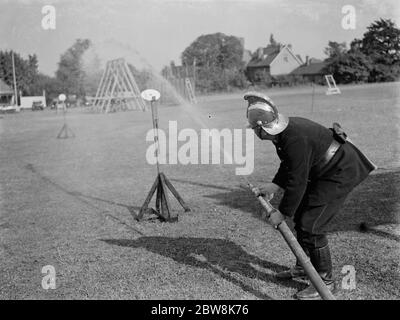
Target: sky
(151, 33)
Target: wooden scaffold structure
(183, 79)
(118, 89)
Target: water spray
(285, 231)
(161, 184)
(283, 228)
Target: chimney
(260, 52)
(307, 60)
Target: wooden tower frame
(118, 89)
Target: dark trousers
(311, 221)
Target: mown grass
(70, 203)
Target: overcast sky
(154, 32)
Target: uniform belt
(328, 155)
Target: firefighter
(319, 167)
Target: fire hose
(297, 250)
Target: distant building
(272, 61)
(6, 94)
(313, 70)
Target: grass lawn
(70, 204)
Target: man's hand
(276, 218)
(260, 192)
(268, 190)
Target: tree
(347, 66)
(350, 67)
(50, 85)
(26, 71)
(382, 41)
(382, 44)
(214, 50)
(273, 42)
(335, 49)
(70, 71)
(375, 57)
(218, 58)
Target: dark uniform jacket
(301, 146)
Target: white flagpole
(15, 80)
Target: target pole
(65, 112)
(161, 184)
(154, 115)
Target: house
(312, 71)
(270, 62)
(6, 94)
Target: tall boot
(321, 260)
(297, 271)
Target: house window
(285, 58)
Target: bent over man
(319, 167)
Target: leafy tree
(382, 44)
(382, 41)
(218, 57)
(350, 67)
(214, 50)
(375, 57)
(26, 71)
(50, 85)
(70, 71)
(335, 49)
(273, 42)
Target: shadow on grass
(374, 202)
(201, 184)
(133, 210)
(223, 257)
(78, 195)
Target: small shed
(6, 94)
(311, 71)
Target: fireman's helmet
(262, 112)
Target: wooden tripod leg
(158, 196)
(175, 193)
(165, 205)
(148, 198)
(159, 202)
(161, 210)
(63, 129)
